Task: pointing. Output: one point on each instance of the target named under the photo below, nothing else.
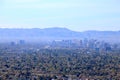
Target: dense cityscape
(59, 39)
(60, 60)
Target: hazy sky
(79, 15)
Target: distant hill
(55, 33)
(36, 32)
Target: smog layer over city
(59, 40)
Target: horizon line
(60, 28)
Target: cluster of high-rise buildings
(20, 42)
(85, 43)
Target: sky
(78, 15)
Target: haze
(78, 15)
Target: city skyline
(77, 15)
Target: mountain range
(7, 34)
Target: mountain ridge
(56, 33)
